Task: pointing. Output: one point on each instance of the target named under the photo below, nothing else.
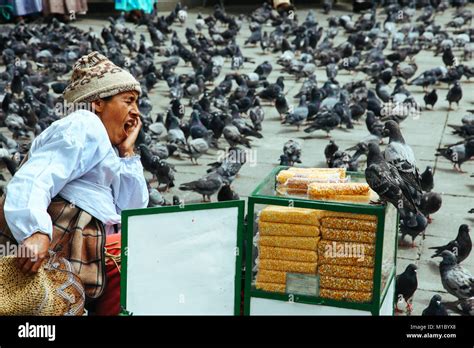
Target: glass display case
(318, 256)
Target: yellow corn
(288, 266)
(280, 229)
(267, 276)
(330, 246)
(343, 198)
(351, 284)
(303, 176)
(306, 243)
(271, 287)
(291, 215)
(349, 224)
(365, 273)
(265, 252)
(336, 214)
(348, 236)
(318, 189)
(353, 296)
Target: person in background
(66, 10)
(135, 8)
(21, 8)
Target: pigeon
(427, 180)
(401, 155)
(226, 194)
(195, 148)
(430, 98)
(281, 105)
(430, 204)
(329, 151)
(206, 186)
(457, 153)
(435, 308)
(466, 306)
(175, 134)
(456, 280)
(298, 115)
(406, 285)
(233, 136)
(292, 151)
(448, 57)
(156, 199)
(454, 94)
(325, 120)
(257, 115)
(461, 246)
(465, 130)
(413, 225)
(386, 181)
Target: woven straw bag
(54, 290)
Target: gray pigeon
(458, 153)
(457, 280)
(400, 154)
(206, 186)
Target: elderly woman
(78, 176)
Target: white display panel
(263, 306)
(182, 263)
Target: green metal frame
(379, 211)
(126, 214)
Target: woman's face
(118, 114)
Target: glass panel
(270, 187)
(313, 252)
(389, 240)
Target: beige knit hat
(54, 290)
(94, 77)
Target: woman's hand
(34, 250)
(126, 147)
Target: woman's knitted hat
(94, 77)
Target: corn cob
(317, 189)
(348, 236)
(265, 252)
(288, 266)
(273, 287)
(293, 215)
(336, 214)
(267, 276)
(349, 224)
(343, 198)
(356, 247)
(351, 284)
(353, 296)
(280, 229)
(306, 243)
(310, 174)
(365, 273)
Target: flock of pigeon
(228, 110)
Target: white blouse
(74, 158)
